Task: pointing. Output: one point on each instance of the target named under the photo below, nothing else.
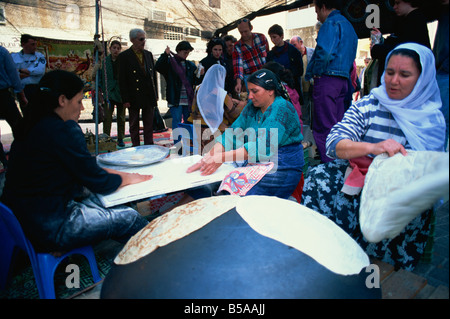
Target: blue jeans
(178, 113)
(442, 80)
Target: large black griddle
(227, 259)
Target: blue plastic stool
(44, 265)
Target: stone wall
(67, 20)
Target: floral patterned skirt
(322, 193)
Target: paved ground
(437, 271)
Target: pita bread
(397, 189)
(304, 229)
(174, 225)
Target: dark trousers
(10, 113)
(328, 98)
(179, 113)
(107, 121)
(307, 107)
(8, 109)
(147, 121)
(29, 90)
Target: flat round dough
(304, 229)
(179, 222)
(137, 157)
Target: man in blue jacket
(9, 79)
(330, 68)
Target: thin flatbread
(397, 189)
(135, 156)
(174, 225)
(306, 230)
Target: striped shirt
(365, 121)
(248, 59)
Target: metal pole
(97, 10)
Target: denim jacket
(336, 48)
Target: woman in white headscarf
(212, 106)
(401, 114)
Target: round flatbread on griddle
(176, 224)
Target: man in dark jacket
(228, 55)
(180, 78)
(138, 86)
(287, 55)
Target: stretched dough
(298, 226)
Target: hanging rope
(101, 50)
(104, 56)
(97, 49)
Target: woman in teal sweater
(268, 130)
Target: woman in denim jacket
(330, 68)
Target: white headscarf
(211, 96)
(418, 114)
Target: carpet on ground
(160, 138)
(22, 284)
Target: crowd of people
(242, 85)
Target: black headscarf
(269, 81)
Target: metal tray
(135, 156)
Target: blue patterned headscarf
(418, 114)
